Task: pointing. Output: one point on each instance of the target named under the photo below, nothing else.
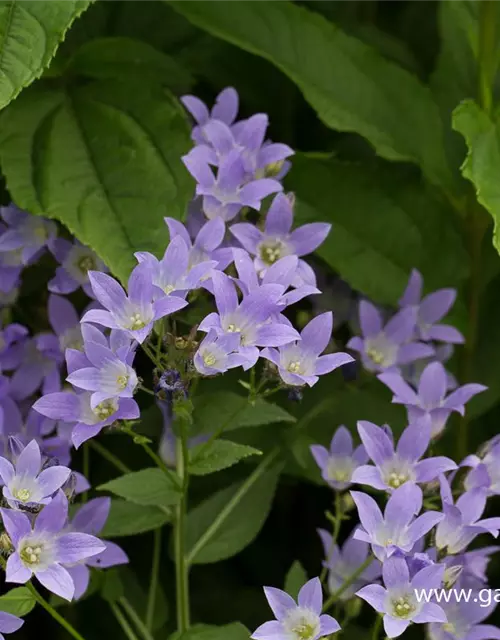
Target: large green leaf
(295, 579)
(30, 32)
(482, 165)
(146, 487)
(18, 601)
(221, 454)
(349, 84)
(104, 159)
(226, 522)
(225, 411)
(128, 519)
(384, 224)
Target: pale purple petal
(52, 479)
(59, 406)
(80, 575)
(463, 394)
(377, 443)
(165, 306)
(484, 632)
(472, 505)
(370, 319)
(16, 524)
(317, 333)
(225, 293)
(429, 577)
(423, 524)
(53, 516)
(399, 387)
(431, 468)
(444, 333)
(83, 432)
(414, 441)
(112, 556)
(73, 547)
(280, 216)
(308, 238)
(272, 630)
(248, 235)
(414, 351)
(369, 475)
(368, 510)
(279, 601)
(341, 443)
(394, 627)
(196, 108)
(403, 504)
(29, 461)
(328, 625)
(432, 384)
(92, 516)
(395, 572)
(275, 335)
(9, 623)
(436, 305)
(107, 290)
(16, 571)
(431, 612)
(6, 470)
(374, 594)
(413, 291)
(401, 326)
(320, 455)
(98, 316)
(311, 596)
(56, 579)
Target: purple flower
(397, 529)
(277, 240)
(300, 362)
(41, 550)
(399, 601)
(430, 400)
(248, 138)
(9, 623)
(250, 319)
(26, 233)
(225, 194)
(12, 338)
(134, 313)
(11, 266)
(430, 310)
(297, 621)
(107, 374)
(26, 484)
(485, 471)
(76, 261)
(443, 352)
(90, 519)
(207, 244)
(39, 368)
(463, 621)
(225, 110)
(77, 408)
(173, 273)
(344, 562)
(65, 323)
(338, 464)
(394, 467)
(218, 353)
(387, 347)
(461, 522)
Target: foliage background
(366, 92)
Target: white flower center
(122, 381)
(209, 359)
(105, 409)
(340, 469)
(85, 264)
(295, 366)
(169, 288)
(402, 607)
(232, 328)
(271, 251)
(31, 555)
(23, 495)
(301, 624)
(136, 322)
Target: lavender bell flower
(343, 562)
(218, 353)
(485, 468)
(172, 275)
(398, 601)
(225, 195)
(297, 621)
(9, 623)
(12, 338)
(106, 374)
(26, 233)
(207, 244)
(461, 522)
(42, 549)
(26, 485)
(77, 408)
(134, 313)
(430, 400)
(250, 319)
(39, 368)
(225, 110)
(394, 467)
(65, 323)
(464, 622)
(300, 362)
(277, 240)
(386, 347)
(11, 266)
(430, 310)
(76, 261)
(397, 529)
(90, 519)
(338, 464)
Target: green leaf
(227, 411)
(30, 32)
(221, 454)
(112, 588)
(233, 631)
(383, 225)
(19, 601)
(349, 84)
(482, 165)
(295, 579)
(118, 57)
(226, 522)
(104, 159)
(150, 487)
(128, 519)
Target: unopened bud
(347, 502)
(353, 607)
(181, 343)
(6, 545)
(451, 575)
(274, 168)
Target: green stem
(223, 515)
(487, 53)
(86, 468)
(150, 611)
(376, 627)
(107, 455)
(57, 616)
(181, 563)
(335, 533)
(135, 618)
(122, 621)
(146, 390)
(347, 583)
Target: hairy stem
(55, 614)
(155, 568)
(181, 563)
